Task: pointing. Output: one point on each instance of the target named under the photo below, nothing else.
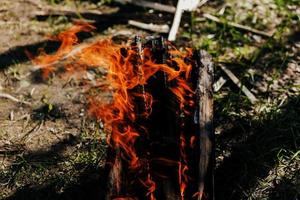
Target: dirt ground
(51, 149)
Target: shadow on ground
(90, 187)
(250, 146)
(88, 184)
(254, 145)
(254, 151)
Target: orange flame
(68, 39)
(150, 184)
(183, 167)
(119, 114)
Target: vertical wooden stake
(205, 91)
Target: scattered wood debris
(219, 84)
(239, 26)
(164, 28)
(12, 98)
(148, 4)
(236, 81)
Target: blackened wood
(137, 46)
(164, 131)
(141, 144)
(114, 184)
(121, 180)
(206, 130)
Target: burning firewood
(156, 110)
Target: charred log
(175, 145)
(205, 118)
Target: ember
(151, 115)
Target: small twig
(148, 4)
(219, 84)
(8, 149)
(65, 11)
(36, 3)
(33, 130)
(4, 23)
(22, 117)
(236, 81)
(202, 3)
(236, 25)
(10, 97)
(151, 27)
(11, 115)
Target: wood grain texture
(205, 92)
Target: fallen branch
(10, 97)
(148, 4)
(239, 26)
(236, 81)
(151, 27)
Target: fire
(68, 39)
(126, 75)
(150, 184)
(183, 167)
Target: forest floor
(51, 149)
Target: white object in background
(188, 5)
(182, 5)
